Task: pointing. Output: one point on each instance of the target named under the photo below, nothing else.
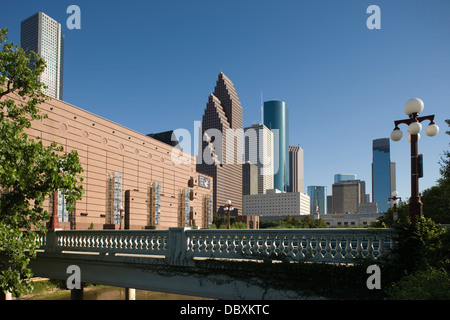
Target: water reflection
(115, 293)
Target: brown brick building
(124, 169)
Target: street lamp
(393, 201)
(121, 217)
(228, 208)
(413, 108)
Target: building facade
(276, 204)
(349, 220)
(156, 185)
(221, 145)
(383, 173)
(42, 34)
(296, 174)
(348, 195)
(258, 149)
(318, 196)
(250, 178)
(276, 118)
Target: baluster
(338, 255)
(328, 254)
(203, 244)
(381, 246)
(359, 247)
(309, 248)
(290, 249)
(282, 247)
(348, 247)
(318, 251)
(241, 245)
(370, 248)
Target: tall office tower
(221, 145)
(348, 196)
(296, 177)
(258, 149)
(42, 34)
(276, 118)
(318, 196)
(383, 173)
(249, 178)
(344, 177)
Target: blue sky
(150, 66)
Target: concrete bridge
(198, 262)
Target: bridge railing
(316, 245)
(181, 245)
(144, 242)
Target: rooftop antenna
(262, 108)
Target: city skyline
(343, 83)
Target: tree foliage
(293, 222)
(29, 171)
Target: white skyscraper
(42, 34)
(259, 151)
(296, 173)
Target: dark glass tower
(276, 118)
(383, 174)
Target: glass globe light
(396, 135)
(394, 193)
(415, 128)
(432, 130)
(414, 105)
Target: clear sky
(150, 66)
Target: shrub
(430, 284)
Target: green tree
(29, 171)
(436, 200)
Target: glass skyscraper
(318, 196)
(383, 174)
(276, 118)
(344, 177)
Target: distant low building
(275, 203)
(369, 207)
(348, 220)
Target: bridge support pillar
(130, 294)
(77, 294)
(5, 295)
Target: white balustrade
(181, 245)
(106, 241)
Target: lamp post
(413, 108)
(228, 208)
(393, 201)
(121, 217)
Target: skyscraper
(258, 149)
(318, 196)
(276, 118)
(348, 196)
(42, 34)
(344, 177)
(383, 173)
(250, 178)
(296, 177)
(221, 145)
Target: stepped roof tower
(221, 145)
